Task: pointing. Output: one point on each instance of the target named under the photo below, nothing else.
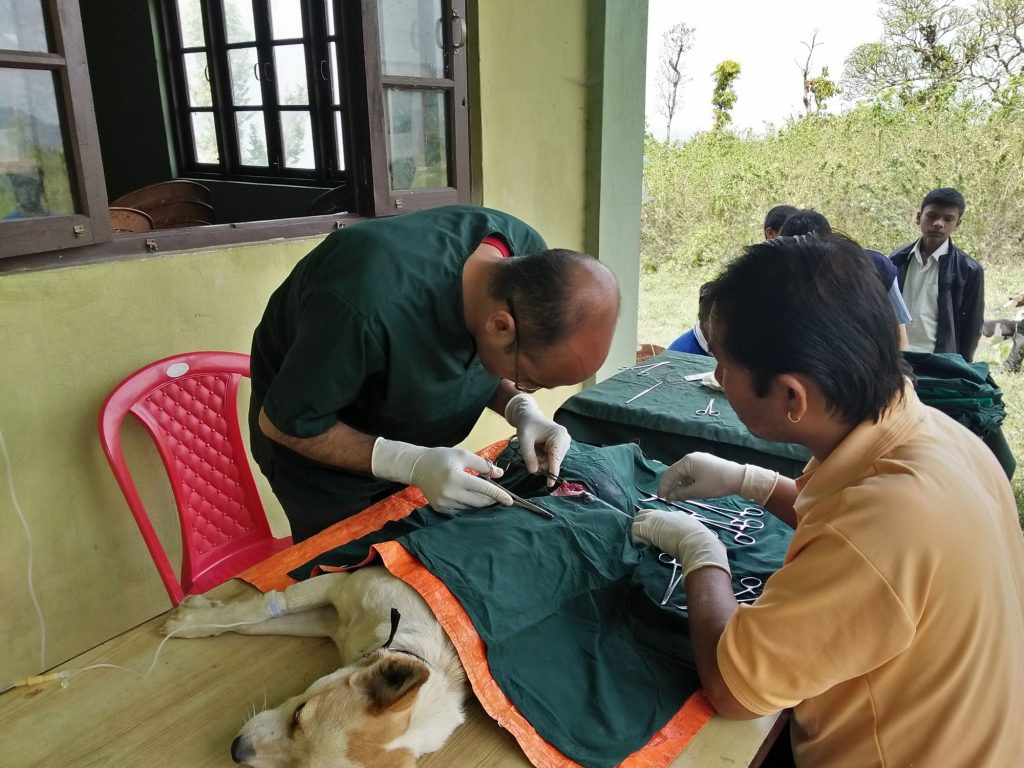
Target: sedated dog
(399, 692)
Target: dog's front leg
(302, 609)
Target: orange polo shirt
(895, 627)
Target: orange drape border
(272, 573)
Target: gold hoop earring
(789, 415)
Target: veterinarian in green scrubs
(386, 343)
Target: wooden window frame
(48, 243)
(91, 222)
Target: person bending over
(895, 626)
(385, 344)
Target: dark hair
(544, 288)
(777, 215)
(816, 311)
(946, 197)
(705, 300)
(806, 221)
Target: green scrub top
(368, 329)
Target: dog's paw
(195, 617)
(200, 601)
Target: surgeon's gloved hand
(683, 537)
(704, 476)
(440, 473)
(542, 443)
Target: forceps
(709, 409)
(751, 586)
(674, 579)
(736, 530)
(519, 501)
(736, 518)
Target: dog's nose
(240, 751)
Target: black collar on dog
(395, 618)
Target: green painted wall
(70, 335)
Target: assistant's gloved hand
(440, 474)
(704, 476)
(542, 443)
(681, 536)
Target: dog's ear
(392, 682)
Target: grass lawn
(668, 307)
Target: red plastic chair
(188, 404)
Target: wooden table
(201, 691)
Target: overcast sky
(765, 38)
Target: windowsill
(128, 246)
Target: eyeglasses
(515, 381)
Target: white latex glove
(704, 476)
(440, 473)
(686, 539)
(542, 443)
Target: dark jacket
(961, 299)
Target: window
(51, 188)
(270, 103)
(279, 91)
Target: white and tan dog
(385, 706)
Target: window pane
(417, 139)
(285, 19)
(290, 74)
(333, 74)
(297, 135)
(330, 17)
(190, 19)
(198, 84)
(204, 135)
(410, 38)
(252, 138)
(239, 21)
(339, 137)
(245, 89)
(34, 178)
(23, 27)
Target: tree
(723, 99)
(999, 61)
(926, 52)
(817, 90)
(676, 42)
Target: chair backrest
(188, 404)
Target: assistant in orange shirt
(895, 627)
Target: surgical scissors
(735, 517)
(709, 409)
(751, 586)
(738, 533)
(744, 518)
(674, 579)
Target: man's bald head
(556, 294)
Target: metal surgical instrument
(735, 516)
(519, 501)
(709, 409)
(641, 394)
(736, 530)
(751, 586)
(674, 579)
(648, 368)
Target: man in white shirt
(943, 287)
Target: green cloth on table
(663, 421)
(967, 393)
(569, 608)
